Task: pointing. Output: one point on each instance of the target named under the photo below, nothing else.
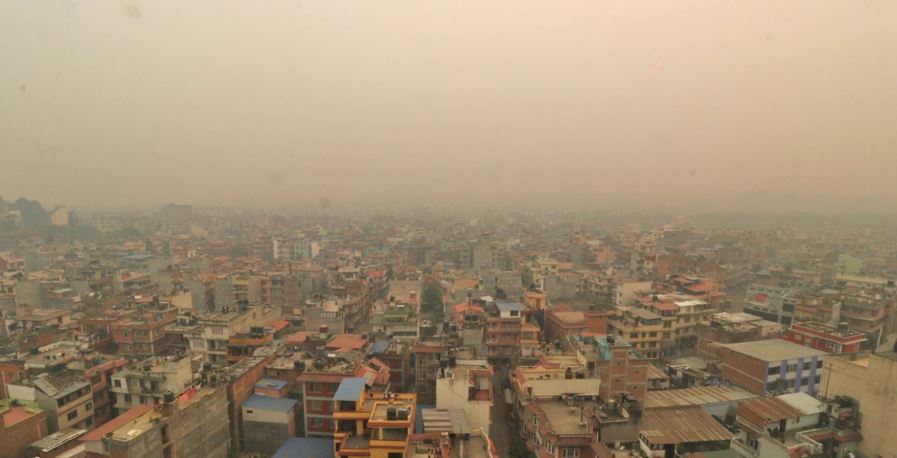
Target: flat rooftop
(567, 420)
(694, 397)
(773, 350)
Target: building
(147, 382)
(503, 327)
(466, 385)
(21, 423)
(790, 425)
(395, 320)
(642, 329)
(64, 395)
(553, 377)
(426, 358)
(830, 339)
(230, 336)
(725, 327)
(872, 381)
(561, 323)
(773, 303)
(267, 423)
(681, 431)
(556, 427)
(319, 384)
(372, 424)
(142, 335)
(446, 434)
(620, 367)
(774, 366)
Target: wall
(875, 387)
(454, 396)
(17, 437)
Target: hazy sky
(267, 103)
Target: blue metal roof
(505, 306)
(270, 383)
(379, 347)
(305, 447)
(268, 403)
(350, 389)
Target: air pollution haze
(750, 105)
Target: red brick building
(824, 337)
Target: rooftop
(773, 350)
(350, 389)
(117, 422)
(57, 439)
(305, 447)
(681, 426)
(568, 420)
(268, 403)
(697, 396)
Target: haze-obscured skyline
(269, 103)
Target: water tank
(391, 413)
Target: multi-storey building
(467, 385)
(622, 369)
(147, 381)
(725, 327)
(503, 329)
(231, 336)
(831, 339)
(63, 394)
(426, 358)
(142, 335)
(372, 424)
(774, 366)
(643, 330)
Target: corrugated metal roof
(350, 389)
(697, 396)
(682, 426)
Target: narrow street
(500, 431)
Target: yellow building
(376, 425)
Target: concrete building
(773, 366)
(643, 329)
(426, 358)
(872, 382)
(147, 381)
(267, 423)
(372, 424)
(142, 335)
(466, 385)
(725, 327)
(64, 395)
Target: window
(792, 368)
(568, 452)
(772, 371)
(88, 406)
(71, 415)
(116, 383)
(128, 398)
(316, 405)
(806, 366)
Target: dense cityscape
(189, 331)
